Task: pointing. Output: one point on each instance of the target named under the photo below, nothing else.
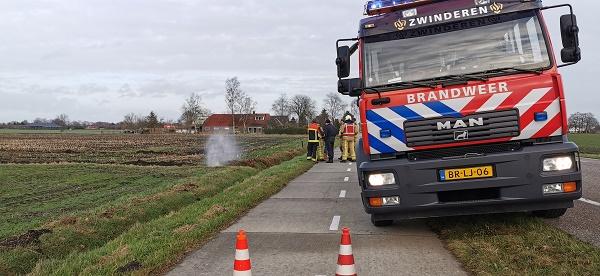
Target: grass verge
(89, 230)
(154, 246)
(593, 156)
(588, 143)
(515, 244)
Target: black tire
(381, 223)
(550, 214)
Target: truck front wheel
(550, 214)
(381, 223)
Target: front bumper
(517, 184)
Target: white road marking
(590, 202)
(343, 193)
(349, 170)
(346, 179)
(350, 164)
(335, 223)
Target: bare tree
(61, 120)
(583, 123)
(281, 106)
(247, 108)
(141, 122)
(354, 108)
(304, 107)
(334, 105)
(129, 121)
(192, 110)
(234, 96)
(41, 121)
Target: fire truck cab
(462, 109)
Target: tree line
(583, 123)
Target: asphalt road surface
(583, 221)
(297, 232)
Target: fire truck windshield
(413, 55)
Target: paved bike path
(296, 232)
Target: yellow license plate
(467, 173)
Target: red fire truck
(462, 109)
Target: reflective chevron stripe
(390, 120)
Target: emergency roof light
(376, 7)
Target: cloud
(100, 59)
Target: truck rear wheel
(381, 223)
(554, 213)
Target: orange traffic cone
(241, 265)
(345, 262)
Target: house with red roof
(244, 123)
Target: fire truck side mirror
(569, 31)
(343, 61)
(350, 87)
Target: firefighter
(348, 134)
(321, 154)
(313, 141)
(341, 121)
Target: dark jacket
(330, 132)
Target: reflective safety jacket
(349, 130)
(313, 132)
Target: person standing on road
(341, 123)
(321, 153)
(313, 141)
(348, 134)
(329, 133)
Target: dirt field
(160, 149)
(66, 193)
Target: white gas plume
(221, 149)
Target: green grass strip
(588, 143)
(156, 245)
(515, 244)
(84, 232)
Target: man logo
(460, 124)
(497, 7)
(400, 24)
(461, 135)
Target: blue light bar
(375, 7)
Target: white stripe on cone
(242, 254)
(345, 249)
(242, 273)
(345, 270)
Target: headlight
(558, 163)
(381, 179)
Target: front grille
(464, 151)
(496, 124)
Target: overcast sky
(100, 59)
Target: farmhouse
(247, 123)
